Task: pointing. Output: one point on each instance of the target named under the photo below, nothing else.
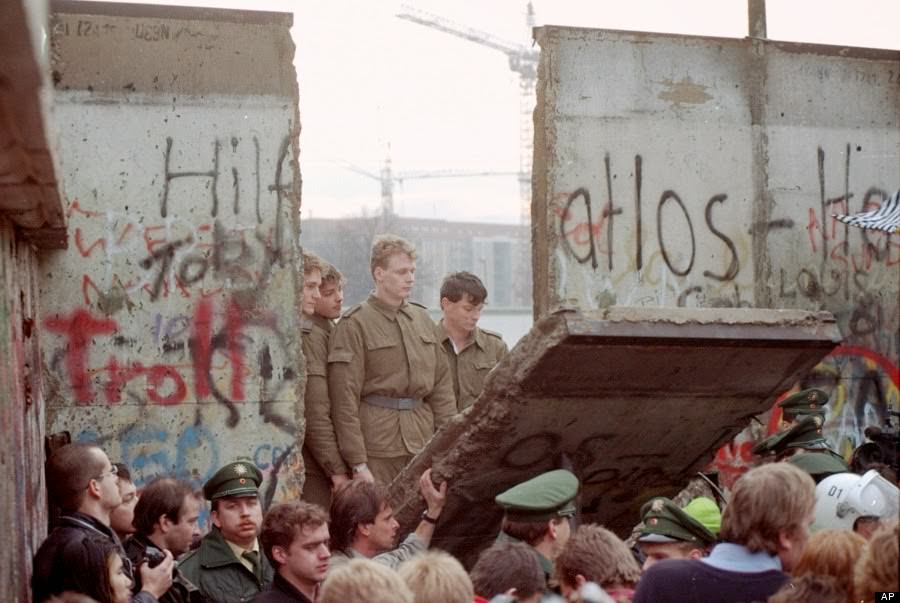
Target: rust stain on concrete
(684, 92)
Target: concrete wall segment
(22, 415)
(171, 330)
(703, 172)
(616, 395)
(172, 50)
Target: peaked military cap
(806, 402)
(805, 433)
(542, 498)
(240, 478)
(820, 464)
(664, 521)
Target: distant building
(495, 252)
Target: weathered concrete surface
(23, 502)
(635, 399)
(30, 216)
(29, 191)
(169, 324)
(703, 172)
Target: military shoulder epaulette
(351, 311)
(492, 333)
(413, 303)
(306, 326)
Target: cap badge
(653, 521)
(657, 505)
(240, 469)
(242, 481)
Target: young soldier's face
(395, 281)
(462, 314)
(307, 559)
(659, 551)
(311, 282)
(331, 297)
(239, 518)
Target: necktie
(253, 558)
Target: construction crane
(522, 60)
(388, 178)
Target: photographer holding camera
(165, 519)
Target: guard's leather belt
(394, 403)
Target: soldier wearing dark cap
(805, 436)
(227, 567)
(803, 404)
(538, 512)
(670, 532)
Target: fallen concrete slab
(633, 400)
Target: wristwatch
(431, 520)
(360, 468)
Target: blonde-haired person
(832, 553)
(594, 554)
(388, 377)
(764, 530)
(436, 577)
(364, 580)
(876, 570)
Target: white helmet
(843, 498)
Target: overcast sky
(370, 82)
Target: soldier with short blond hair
(388, 378)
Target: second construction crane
(522, 60)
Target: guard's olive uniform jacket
(221, 576)
(376, 349)
(471, 365)
(320, 448)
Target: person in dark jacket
(166, 519)
(82, 483)
(294, 538)
(227, 566)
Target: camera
(154, 556)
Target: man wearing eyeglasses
(83, 484)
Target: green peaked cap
(805, 433)
(240, 478)
(541, 498)
(806, 402)
(664, 521)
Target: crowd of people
(800, 526)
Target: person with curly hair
(831, 553)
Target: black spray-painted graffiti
(580, 238)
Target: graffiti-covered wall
(704, 172)
(170, 329)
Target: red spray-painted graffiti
(165, 382)
(863, 385)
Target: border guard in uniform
(471, 351)
(388, 379)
